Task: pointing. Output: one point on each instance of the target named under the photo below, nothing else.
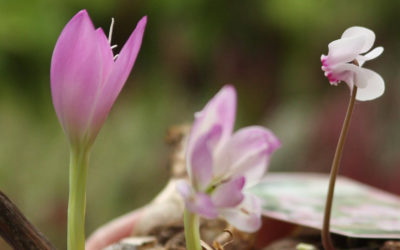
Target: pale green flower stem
(192, 230)
(326, 238)
(79, 160)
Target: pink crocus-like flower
(86, 77)
(345, 60)
(220, 164)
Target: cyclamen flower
(345, 60)
(221, 164)
(86, 78)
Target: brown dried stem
(17, 230)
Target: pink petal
(229, 194)
(120, 72)
(367, 35)
(105, 52)
(76, 72)
(96, 118)
(247, 216)
(254, 168)
(127, 57)
(184, 189)
(198, 203)
(201, 164)
(221, 110)
(247, 153)
(203, 206)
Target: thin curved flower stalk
(86, 79)
(344, 62)
(220, 165)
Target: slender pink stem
(326, 238)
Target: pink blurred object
(166, 209)
(113, 231)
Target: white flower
(345, 59)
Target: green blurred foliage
(269, 49)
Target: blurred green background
(269, 49)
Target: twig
(17, 230)
(225, 238)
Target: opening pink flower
(345, 60)
(221, 164)
(86, 78)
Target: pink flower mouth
(328, 71)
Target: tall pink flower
(86, 78)
(345, 59)
(221, 164)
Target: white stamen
(115, 57)
(114, 46)
(111, 30)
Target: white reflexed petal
(367, 35)
(375, 85)
(247, 216)
(345, 49)
(361, 59)
(349, 73)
